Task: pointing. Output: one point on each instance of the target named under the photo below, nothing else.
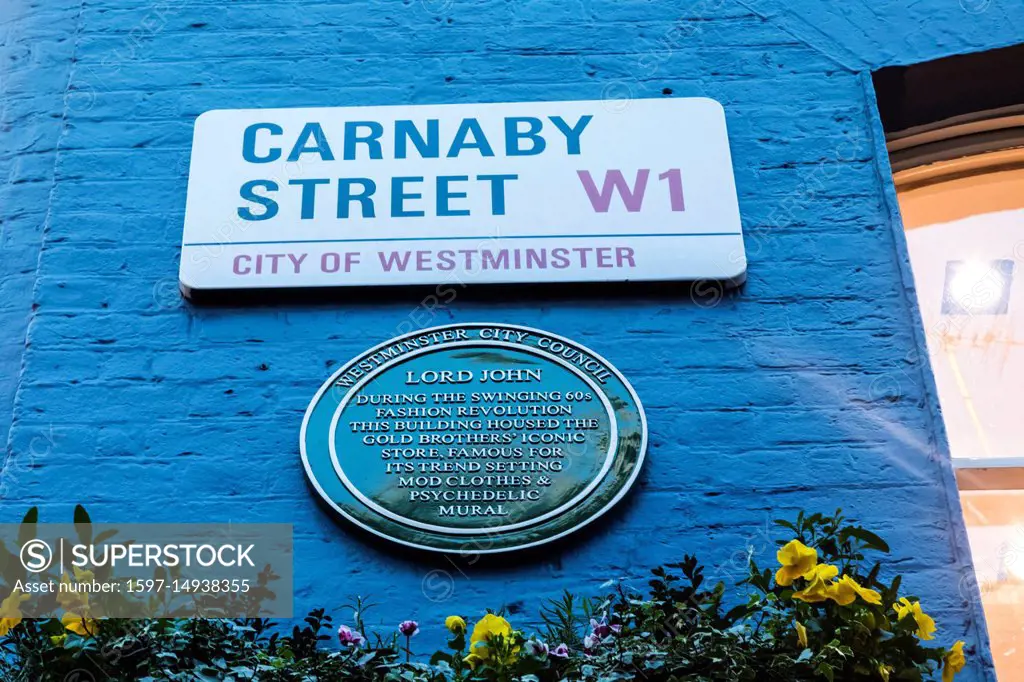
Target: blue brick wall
(36, 45)
(805, 389)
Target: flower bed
(822, 614)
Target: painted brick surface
(805, 389)
(36, 44)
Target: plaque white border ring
(477, 547)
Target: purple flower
(591, 642)
(602, 629)
(560, 651)
(349, 637)
(535, 647)
(409, 627)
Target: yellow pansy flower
(76, 605)
(10, 611)
(824, 572)
(846, 591)
(801, 634)
(67, 597)
(925, 625)
(485, 632)
(8, 624)
(819, 587)
(473, 660)
(79, 624)
(797, 561)
(455, 624)
(954, 662)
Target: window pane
(995, 526)
(966, 241)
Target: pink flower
(349, 637)
(409, 627)
(560, 651)
(601, 629)
(591, 642)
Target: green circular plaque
(474, 438)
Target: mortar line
(746, 4)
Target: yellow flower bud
(801, 634)
(846, 591)
(455, 624)
(953, 662)
(925, 625)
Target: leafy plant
(823, 614)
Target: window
(963, 212)
(965, 234)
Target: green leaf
(81, 516)
(27, 531)
(870, 540)
(736, 613)
(105, 535)
(83, 525)
(873, 575)
(825, 670)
